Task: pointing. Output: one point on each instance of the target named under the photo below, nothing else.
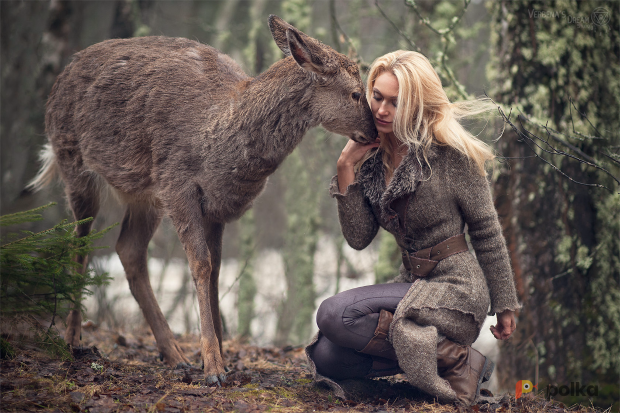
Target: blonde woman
(423, 181)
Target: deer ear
(278, 29)
(302, 54)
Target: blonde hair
(424, 112)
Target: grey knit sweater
(453, 300)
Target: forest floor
(119, 373)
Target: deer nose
(360, 137)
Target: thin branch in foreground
(555, 151)
(530, 138)
(586, 118)
(553, 135)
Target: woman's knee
(329, 316)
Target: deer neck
(275, 110)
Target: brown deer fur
(177, 128)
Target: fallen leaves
(132, 379)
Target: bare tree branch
(335, 25)
(427, 23)
(583, 116)
(530, 139)
(412, 44)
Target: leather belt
(422, 262)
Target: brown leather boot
(379, 345)
(384, 362)
(464, 368)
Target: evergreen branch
(39, 272)
(56, 228)
(23, 216)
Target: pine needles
(39, 275)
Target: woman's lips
(382, 122)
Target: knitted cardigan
(453, 300)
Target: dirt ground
(123, 373)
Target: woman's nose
(383, 111)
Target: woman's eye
(356, 95)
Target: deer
(177, 128)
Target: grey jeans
(348, 321)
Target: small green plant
(97, 367)
(6, 349)
(40, 277)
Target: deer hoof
(214, 379)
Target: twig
(336, 25)
(586, 118)
(525, 137)
(552, 133)
(412, 44)
(334, 21)
(245, 265)
(459, 87)
(427, 23)
(55, 305)
(443, 33)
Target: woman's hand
(505, 325)
(352, 153)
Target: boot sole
(485, 374)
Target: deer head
(339, 100)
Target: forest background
(553, 66)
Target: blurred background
(553, 65)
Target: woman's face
(383, 102)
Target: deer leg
(139, 224)
(214, 243)
(196, 235)
(84, 204)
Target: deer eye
(356, 95)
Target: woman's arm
(358, 222)
(474, 198)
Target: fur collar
(406, 179)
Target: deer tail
(49, 169)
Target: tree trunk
(561, 235)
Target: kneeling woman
(423, 181)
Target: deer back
(125, 107)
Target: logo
(600, 16)
(524, 386)
(575, 389)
